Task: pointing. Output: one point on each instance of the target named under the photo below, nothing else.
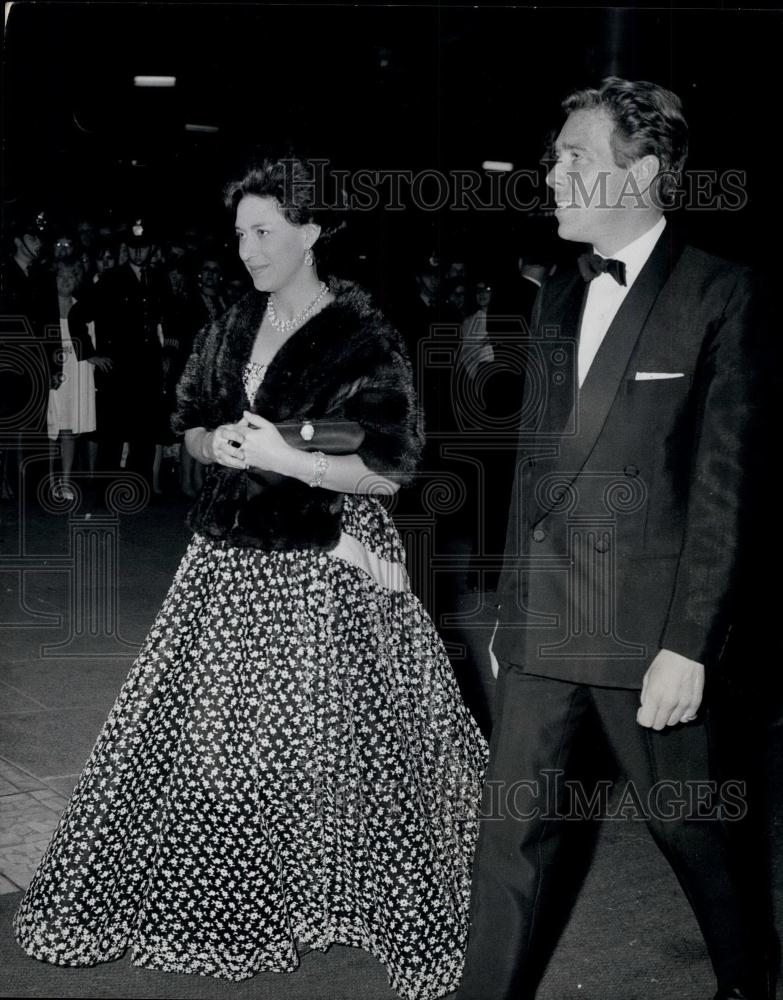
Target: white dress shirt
(605, 296)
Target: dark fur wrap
(347, 362)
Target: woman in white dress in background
(71, 410)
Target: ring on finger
(688, 718)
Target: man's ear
(645, 170)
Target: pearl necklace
(284, 325)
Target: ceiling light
(154, 81)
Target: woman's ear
(311, 232)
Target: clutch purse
(332, 437)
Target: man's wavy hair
(647, 120)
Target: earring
(308, 258)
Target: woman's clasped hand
(253, 442)
(224, 445)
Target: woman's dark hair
(647, 120)
(293, 184)
(303, 192)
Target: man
(624, 543)
(129, 306)
(19, 271)
(24, 369)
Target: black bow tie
(591, 265)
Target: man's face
(210, 277)
(139, 255)
(64, 249)
(29, 245)
(588, 184)
(86, 232)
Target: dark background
(369, 88)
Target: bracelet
(320, 465)
(205, 456)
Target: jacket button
(539, 534)
(631, 470)
(602, 545)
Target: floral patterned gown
(288, 762)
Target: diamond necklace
(284, 325)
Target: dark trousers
(538, 721)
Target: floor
(78, 591)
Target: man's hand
(671, 691)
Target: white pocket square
(648, 376)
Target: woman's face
(177, 281)
(270, 247)
(483, 295)
(105, 260)
(68, 279)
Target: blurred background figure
(234, 289)
(499, 368)
(23, 383)
(87, 235)
(183, 322)
(106, 256)
(195, 301)
(475, 347)
(71, 410)
(22, 265)
(455, 300)
(129, 306)
(210, 281)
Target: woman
(289, 764)
(475, 346)
(71, 409)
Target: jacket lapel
(598, 392)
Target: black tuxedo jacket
(633, 494)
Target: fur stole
(347, 362)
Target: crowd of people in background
(115, 310)
(117, 307)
